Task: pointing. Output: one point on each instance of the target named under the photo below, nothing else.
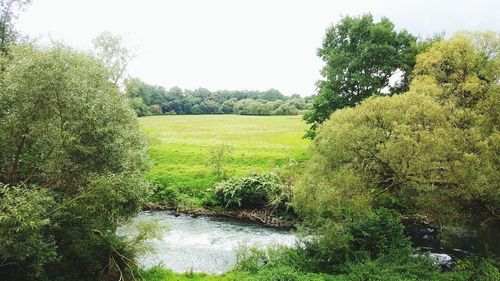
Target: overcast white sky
(232, 44)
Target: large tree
(71, 163)
(360, 57)
(432, 151)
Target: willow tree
(432, 151)
(71, 164)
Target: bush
(479, 269)
(394, 269)
(276, 263)
(378, 235)
(295, 263)
(334, 244)
(283, 263)
(166, 194)
(264, 190)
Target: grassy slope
(179, 145)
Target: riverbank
(263, 217)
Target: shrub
(394, 269)
(166, 194)
(264, 190)
(378, 235)
(334, 244)
(276, 263)
(296, 263)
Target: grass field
(180, 144)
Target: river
(205, 244)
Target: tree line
(148, 99)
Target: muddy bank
(263, 217)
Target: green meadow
(179, 146)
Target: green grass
(161, 274)
(180, 144)
(285, 274)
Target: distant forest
(148, 99)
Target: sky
(236, 44)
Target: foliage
(292, 264)
(166, 194)
(333, 244)
(264, 190)
(377, 235)
(254, 191)
(479, 269)
(140, 108)
(434, 147)
(218, 157)
(162, 274)
(9, 10)
(111, 51)
(360, 57)
(72, 159)
(123, 250)
(286, 109)
(252, 107)
(24, 224)
(155, 109)
(297, 263)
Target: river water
(205, 244)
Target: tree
(360, 58)
(432, 151)
(286, 109)
(218, 157)
(228, 106)
(111, 50)
(140, 108)
(9, 10)
(155, 109)
(72, 160)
